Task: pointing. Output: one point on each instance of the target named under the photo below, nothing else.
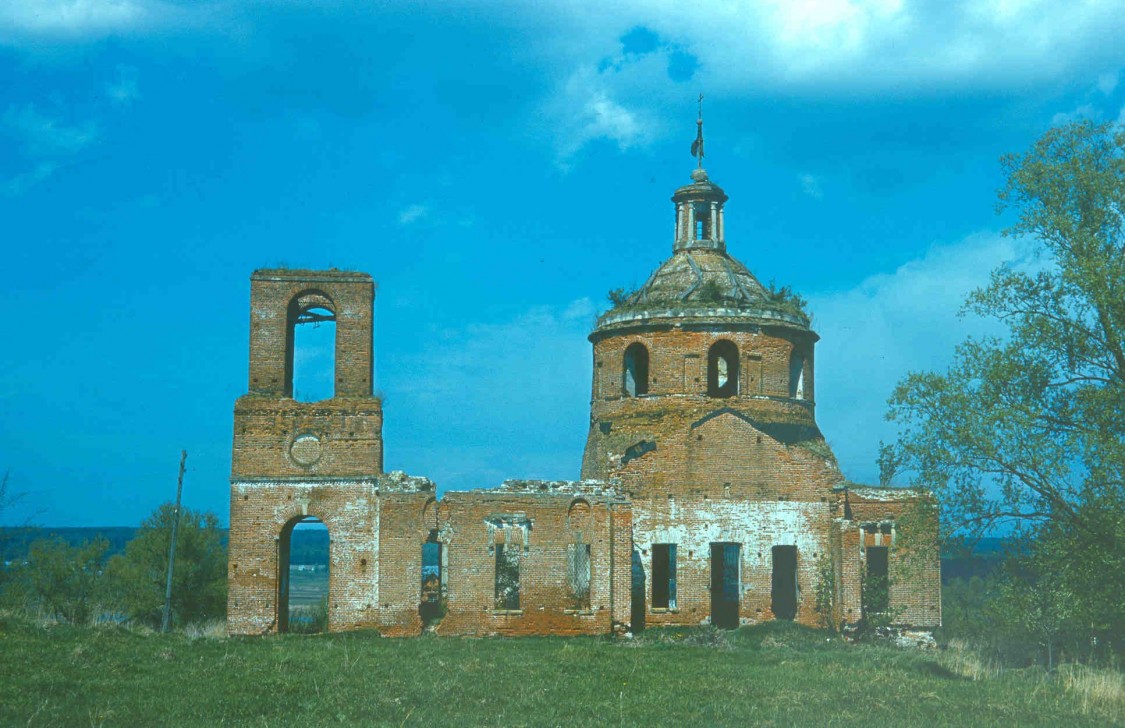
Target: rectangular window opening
(876, 580)
(783, 593)
(664, 576)
(508, 577)
(725, 584)
(578, 575)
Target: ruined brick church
(708, 493)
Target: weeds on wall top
(778, 299)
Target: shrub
(199, 584)
(65, 580)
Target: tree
(1027, 428)
(65, 580)
(199, 582)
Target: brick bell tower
(295, 461)
(703, 406)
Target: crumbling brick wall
(540, 520)
(906, 522)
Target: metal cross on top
(697, 145)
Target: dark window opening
(783, 592)
(310, 352)
(635, 370)
(797, 376)
(664, 576)
(432, 604)
(302, 576)
(507, 577)
(725, 584)
(722, 369)
(578, 574)
(638, 593)
(876, 581)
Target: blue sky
(497, 166)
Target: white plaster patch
(757, 525)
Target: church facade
(708, 493)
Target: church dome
(701, 283)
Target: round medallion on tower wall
(306, 449)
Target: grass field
(772, 675)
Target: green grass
(773, 675)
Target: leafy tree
(1028, 427)
(199, 583)
(1038, 600)
(65, 580)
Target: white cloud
(1085, 111)
(820, 47)
(843, 45)
(24, 181)
(78, 18)
(45, 141)
(412, 214)
(123, 90)
(892, 324)
(810, 185)
(584, 111)
(1107, 82)
(43, 135)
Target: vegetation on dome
(785, 300)
(619, 297)
(711, 293)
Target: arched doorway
(303, 576)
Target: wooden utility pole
(166, 623)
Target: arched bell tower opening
(310, 347)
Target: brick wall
(261, 511)
(906, 522)
(539, 520)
